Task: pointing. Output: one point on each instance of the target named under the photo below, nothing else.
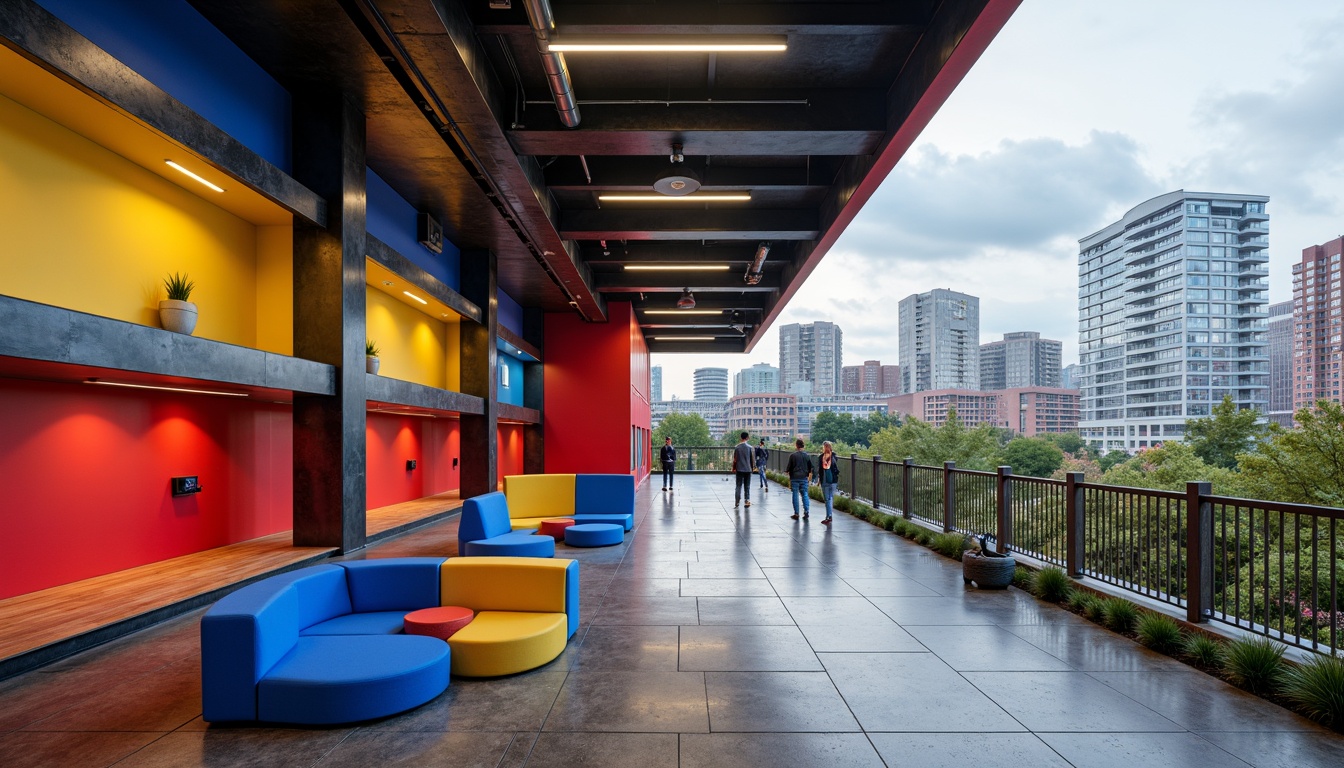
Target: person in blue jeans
(762, 458)
(828, 474)
(799, 470)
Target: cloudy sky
(1077, 112)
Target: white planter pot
(177, 316)
(371, 364)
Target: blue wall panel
(392, 220)
(510, 314)
(512, 394)
(174, 47)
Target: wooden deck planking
(396, 515)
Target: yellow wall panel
(413, 346)
(91, 231)
(275, 289)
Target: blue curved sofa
(484, 530)
(324, 645)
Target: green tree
(1169, 467)
(1219, 437)
(685, 429)
(836, 427)
(1303, 465)
(972, 448)
(1068, 442)
(1034, 456)
(1111, 459)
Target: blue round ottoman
(594, 535)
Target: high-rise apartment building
(1021, 359)
(1172, 316)
(656, 383)
(1316, 324)
(764, 414)
(1068, 376)
(761, 377)
(1280, 337)
(711, 385)
(866, 378)
(810, 352)
(851, 379)
(939, 341)
(891, 380)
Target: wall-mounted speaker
(429, 232)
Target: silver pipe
(557, 74)
(586, 174)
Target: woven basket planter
(987, 572)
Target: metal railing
(1271, 568)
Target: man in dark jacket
(762, 458)
(744, 466)
(667, 455)
(800, 475)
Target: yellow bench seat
(507, 642)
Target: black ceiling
(461, 123)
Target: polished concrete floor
(716, 637)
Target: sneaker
(827, 521)
(664, 487)
(804, 517)
(793, 517)
(748, 504)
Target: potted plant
(370, 355)
(176, 313)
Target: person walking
(668, 456)
(744, 466)
(800, 475)
(828, 474)
(762, 458)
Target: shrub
(1021, 578)
(1255, 664)
(1161, 633)
(1094, 608)
(924, 537)
(1120, 614)
(1052, 584)
(1317, 689)
(949, 544)
(1078, 599)
(840, 502)
(1204, 650)
(890, 522)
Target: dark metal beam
(698, 282)
(746, 302)
(701, 17)
(835, 122)
(682, 224)
(669, 253)
(718, 346)
(636, 174)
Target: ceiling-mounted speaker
(429, 232)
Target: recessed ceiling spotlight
(388, 283)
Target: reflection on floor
(716, 637)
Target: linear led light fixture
(683, 311)
(734, 197)
(417, 298)
(195, 176)
(676, 267)
(670, 44)
(167, 389)
(683, 338)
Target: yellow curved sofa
(526, 608)
(533, 498)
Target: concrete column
(480, 444)
(534, 392)
(329, 326)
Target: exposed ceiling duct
(756, 269)
(557, 74)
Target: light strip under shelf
(194, 175)
(166, 389)
(417, 298)
(740, 197)
(683, 338)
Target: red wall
(590, 379)
(85, 475)
(510, 437)
(392, 439)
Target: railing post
(1198, 552)
(949, 497)
(876, 496)
(1074, 516)
(907, 487)
(1005, 498)
(853, 475)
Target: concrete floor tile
(604, 750)
(1126, 750)
(743, 649)
(638, 702)
(259, 747)
(1317, 749)
(388, 748)
(24, 749)
(1067, 701)
(883, 638)
(628, 648)
(985, 648)
(948, 749)
(726, 588)
(758, 611)
(791, 702)
(914, 692)
(778, 750)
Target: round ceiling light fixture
(687, 301)
(677, 180)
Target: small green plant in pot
(177, 313)
(371, 361)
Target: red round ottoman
(439, 622)
(555, 527)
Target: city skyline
(956, 212)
